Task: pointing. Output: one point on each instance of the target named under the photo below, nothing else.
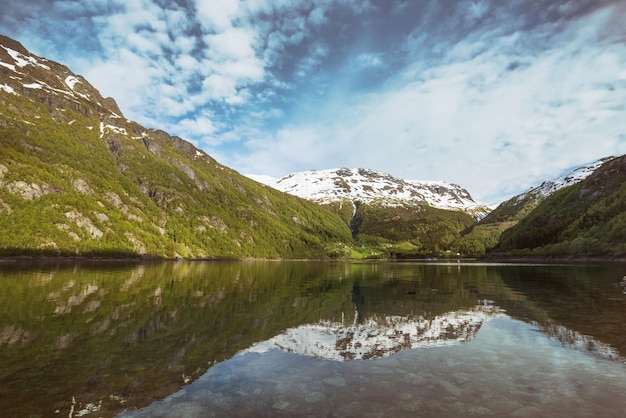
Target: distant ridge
(365, 186)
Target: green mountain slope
(407, 231)
(585, 219)
(485, 235)
(77, 178)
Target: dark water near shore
(192, 339)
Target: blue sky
(493, 95)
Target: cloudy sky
(493, 95)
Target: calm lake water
(318, 339)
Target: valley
(78, 179)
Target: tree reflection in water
(118, 336)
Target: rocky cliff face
(48, 82)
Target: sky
(495, 96)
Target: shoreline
(487, 259)
(556, 259)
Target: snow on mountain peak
(367, 186)
(548, 187)
(47, 81)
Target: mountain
(49, 83)
(587, 218)
(519, 206)
(399, 218)
(548, 187)
(372, 187)
(485, 235)
(78, 178)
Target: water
(189, 339)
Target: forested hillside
(585, 219)
(77, 178)
(410, 231)
(485, 236)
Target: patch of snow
(17, 57)
(75, 93)
(71, 81)
(88, 409)
(33, 86)
(22, 60)
(7, 88)
(9, 66)
(115, 129)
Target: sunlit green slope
(77, 178)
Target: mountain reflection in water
(378, 337)
(100, 339)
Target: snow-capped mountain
(519, 206)
(379, 337)
(548, 187)
(368, 186)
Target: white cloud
(122, 75)
(143, 42)
(187, 63)
(312, 61)
(366, 61)
(232, 44)
(218, 87)
(233, 63)
(249, 69)
(199, 127)
(279, 154)
(472, 116)
(148, 66)
(217, 15)
(316, 17)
